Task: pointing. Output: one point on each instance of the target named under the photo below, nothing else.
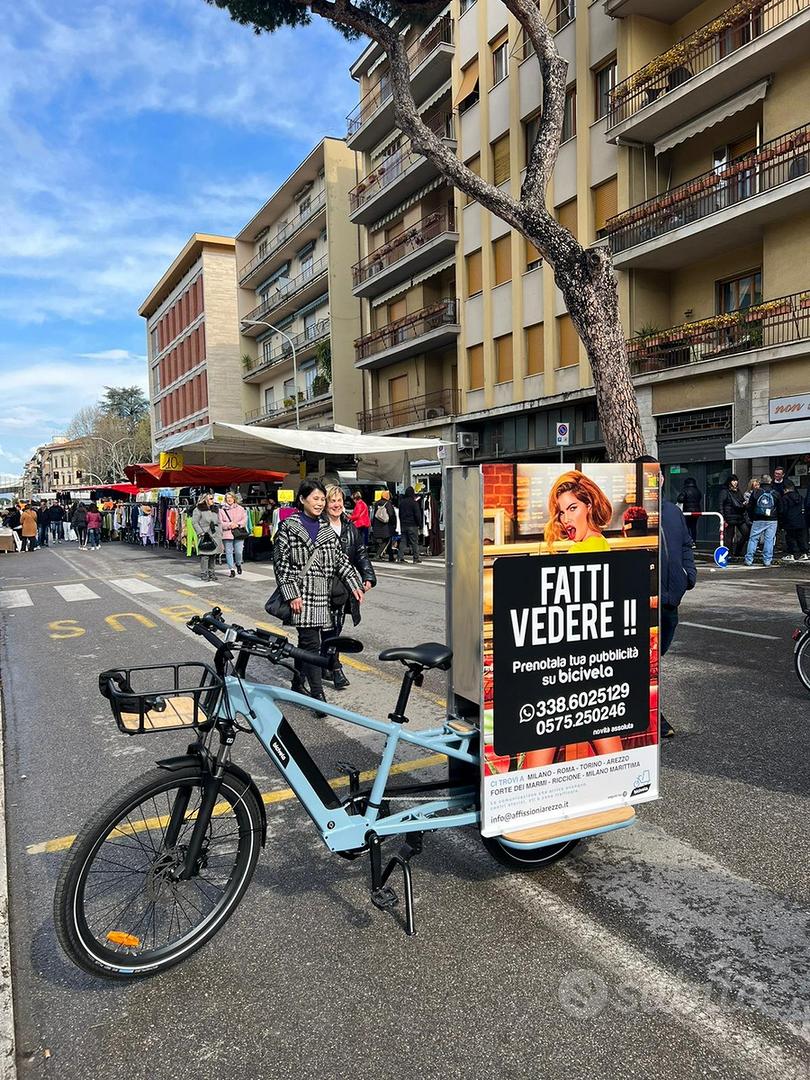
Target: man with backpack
(763, 508)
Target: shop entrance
(710, 476)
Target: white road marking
(725, 630)
(12, 598)
(76, 592)
(249, 575)
(191, 582)
(135, 586)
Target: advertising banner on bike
(570, 641)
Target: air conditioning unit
(467, 440)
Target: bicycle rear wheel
(801, 658)
(526, 858)
(119, 909)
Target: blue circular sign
(721, 555)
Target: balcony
(725, 207)
(668, 11)
(397, 176)
(304, 226)
(429, 60)
(286, 298)
(777, 324)
(305, 344)
(283, 411)
(442, 403)
(431, 327)
(748, 42)
(419, 246)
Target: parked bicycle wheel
(119, 909)
(526, 858)
(801, 658)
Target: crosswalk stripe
(12, 598)
(76, 592)
(191, 582)
(249, 575)
(135, 586)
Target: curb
(8, 1066)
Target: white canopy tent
(379, 456)
(772, 440)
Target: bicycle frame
(341, 826)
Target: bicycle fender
(175, 764)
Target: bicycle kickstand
(382, 895)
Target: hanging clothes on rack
(146, 525)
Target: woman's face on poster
(573, 516)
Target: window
(500, 160)
(565, 12)
(473, 265)
(534, 350)
(289, 389)
(310, 324)
(530, 128)
(475, 366)
(474, 165)
(568, 342)
(155, 338)
(269, 398)
(503, 358)
(309, 378)
(306, 263)
(500, 58)
(467, 94)
(605, 203)
(502, 259)
(567, 216)
(533, 256)
(604, 80)
(569, 125)
(268, 348)
(739, 292)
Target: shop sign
(570, 687)
(170, 461)
(796, 407)
(286, 495)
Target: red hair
(600, 510)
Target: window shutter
(502, 259)
(501, 39)
(475, 366)
(567, 216)
(534, 350)
(568, 341)
(500, 160)
(469, 81)
(605, 203)
(503, 358)
(474, 165)
(474, 282)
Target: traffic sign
(721, 555)
(563, 434)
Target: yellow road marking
(62, 843)
(114, 621)
(185, 592)
(63, 629)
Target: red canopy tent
(125, 489)
(152, 476)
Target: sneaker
(803, 558)
(239, 568)
(788, 558)
(233, 573)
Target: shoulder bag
(277, 605)
(238, 532)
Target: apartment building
(61, 464)
(405, 275)
(297, 314)
(193, 341)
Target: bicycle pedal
(384, 898)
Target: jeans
(233, 552)
(56, 531)
(766, 530)
(410, 539)
(42, 537)
(94, 537)
(207, 564)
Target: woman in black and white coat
(301, 537)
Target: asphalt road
(676, 948)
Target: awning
(469, 78)
(123, 489)
(152, 476)
(412, 200)
(772, 440)
(713, 116)
(409, 283)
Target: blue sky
(125, 128)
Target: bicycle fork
(211, 787)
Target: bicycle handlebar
(204, 625)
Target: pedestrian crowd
(48, 523)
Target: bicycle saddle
(430, 655)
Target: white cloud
(113, 354)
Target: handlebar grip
(316, 659)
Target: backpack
(382, 514)
(766, 504)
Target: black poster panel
(571, 648)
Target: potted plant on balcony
(247, 362)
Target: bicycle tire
(525, 861)
(74, 933)
(801, 659)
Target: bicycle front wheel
(801, 658)
(120, 909)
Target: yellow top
(590, 543)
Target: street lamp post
(264, 322)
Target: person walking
(678, 575)
(307, 556)
(793, 520)
(93, 527)
(410, 522)
(690, 500)
(42, 524)
(28, 527)
(233, 521)
(732, 507)
(205, 519)
(341, 602)
(55, 516)
(360, 517)
(763, 509)
(79, 522)
(383, 526)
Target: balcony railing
(413, 411)
(282, 351)
(392, 167)
(771, 323)
(285, 292)
(739, 24)
(283, 235)
(776, 162)
(409, 328)
(403, 243)
(287, 405)
(420, 50)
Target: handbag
(277, 605)
(238, 532)
(207, 546)
(339, 593)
